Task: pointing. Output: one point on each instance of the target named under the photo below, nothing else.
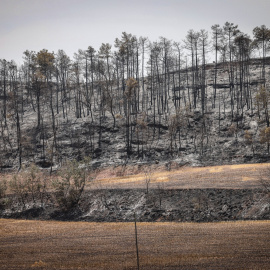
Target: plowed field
(83, 245)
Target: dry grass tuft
(39, 264)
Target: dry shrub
(3, 188)
(18, 185)
(70, 183)
(232, 130)
(265, 180)
(148, 175)
(121, 170)
(30, 185)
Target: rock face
(149, 133)
(196, 205)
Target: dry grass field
(83, 245)
(239, 176)
(226, 176)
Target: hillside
(165, 118)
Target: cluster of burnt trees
(137, 81)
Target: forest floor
(87, 245)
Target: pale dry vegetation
(225, 176)
(31, 187)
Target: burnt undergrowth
(158, 205)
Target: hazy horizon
(71, 25)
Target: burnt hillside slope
(179, 116)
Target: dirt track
(83, 245)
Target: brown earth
(84, 245)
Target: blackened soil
(119, 205)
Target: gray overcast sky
(75, 24)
